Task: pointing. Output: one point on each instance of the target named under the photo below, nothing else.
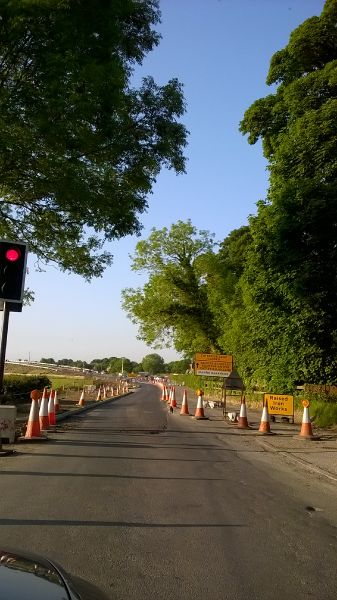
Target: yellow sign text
(280, 404)
(215, 365)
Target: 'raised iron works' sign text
(280, 404)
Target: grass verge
(323, 413)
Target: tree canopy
(120, 365)
(80, 147)
(291, 274)
(178, 366)
(153, 364)
(172, 307)
(267, 293)
(112, 365)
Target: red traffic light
(13, 258)
(13, 254)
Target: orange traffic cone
(99, 395)
(264, 428)
(51, 410)
(243, 421)
(81, 401)
(306, 432)
(162, 393)
(173, 402)
(43, 412)
(104, 393)
(33, 431)
(184, 406)
(199, 411)
(56, 402)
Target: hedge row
(17, 388)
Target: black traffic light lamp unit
(13, 259)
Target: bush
(17, 389)
(323, 413)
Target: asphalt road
(150, 505)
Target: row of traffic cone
(47, 415)
(264, 429)
(42, 415)
(43, 410)
(101, 395)
(105, 392)
(169, 396)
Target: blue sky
(220, 50)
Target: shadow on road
(133, 458)
(77, 523)
(107, 476)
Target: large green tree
(121, 365)
(178, 366)
(153, 364)
(223, 271)
(172, 308)
(79, 146)
(291, 274)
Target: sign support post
(223, 398)
(232, 382)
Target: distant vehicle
(26, 576)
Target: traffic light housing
(13, 259)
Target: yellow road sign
(213, 365)
(280, 404)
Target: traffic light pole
(2, 355)
(4, 332)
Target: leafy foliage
(153, 364)
(268, 296)
(17, 389)
(178, 366)
(120, 365)
(290, 281)
(112, 365)
(172, 307)
(80, 148)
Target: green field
(59, 381)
